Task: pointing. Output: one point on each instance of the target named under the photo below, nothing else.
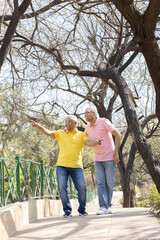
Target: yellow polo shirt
(71, 148)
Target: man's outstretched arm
(42, 129)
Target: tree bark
(11, 30)
(151, 53)
(127, 177)
(144, 26)
(143, 146)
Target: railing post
(2, 182)
(51, 183)
(18, 178)
(32, 180)
(41, 170)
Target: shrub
(149, 197)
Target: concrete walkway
(122, 224)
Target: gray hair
(92, 109)
(73, 117)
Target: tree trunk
(126, 195)
(144, 26)
(127, 178)
(151, 53)
(143, 146)
(125, 175)
(18, 12)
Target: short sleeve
(108, 125)
(85, 137)
(56, 134)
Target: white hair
(92, 109)
(73, 117)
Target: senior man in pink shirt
(105, 156)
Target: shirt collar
(75, 131)
(96, 122)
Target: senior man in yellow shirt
(70, 161)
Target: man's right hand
(43, 130)
(99, 142)
(34, 124)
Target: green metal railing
(21, 179)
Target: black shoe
(83, 214)
(66, 215)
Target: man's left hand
(116, 158)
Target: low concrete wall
(18, 215)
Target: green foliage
(158, 154)
(88, 157)
(149, 197)
(154, 197)
(136, 189)
(18, 137)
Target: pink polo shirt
(101, 130)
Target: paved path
(123, 224)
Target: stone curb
(18, 215)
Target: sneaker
(109, 211)
(83, 214)
(103, 210)
(66, 215)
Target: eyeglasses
(88, 112)
(70, 121)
